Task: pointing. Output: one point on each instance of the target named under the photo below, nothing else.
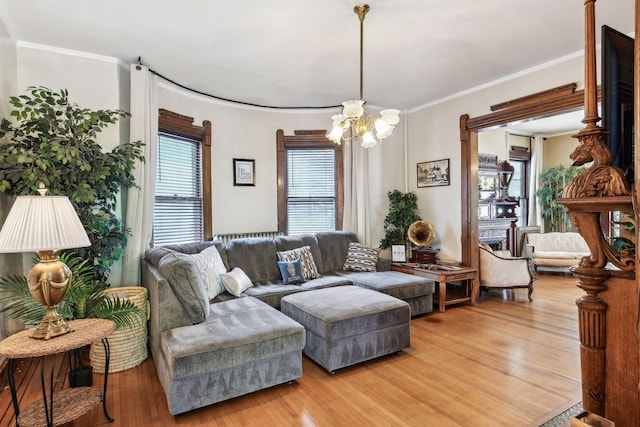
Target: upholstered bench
(244, 345)
(346, 325)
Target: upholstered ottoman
(244, 345)
(346, 325)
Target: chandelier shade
(355, 123)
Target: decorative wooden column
(600, 189)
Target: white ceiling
(305, 53)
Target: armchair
(501, 271)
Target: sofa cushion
(237, 331)
(559, 255)
(291, 272)
(394, 283)
(306, 258)
(557, 241)
(326, 281)
(272, 293)
(210, 265)
(334, 246)
(236, 281)
(256, 257)
(286, 243)
(185, 280)
(361, 258)
(153, 255)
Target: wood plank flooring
(504, 362)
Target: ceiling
(294, 53)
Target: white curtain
(357, 208)
(535, 213)
(139, 201)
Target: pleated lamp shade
(42, 223)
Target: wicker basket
(128, 347)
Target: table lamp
(46, 225)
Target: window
(182, 211)
(310, 187)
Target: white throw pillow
(236, 281)
(210, 266)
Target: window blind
(177, 214)
(311, 190)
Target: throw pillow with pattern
(291, 272)
(361, 258)
(309, 268)
(210, 265)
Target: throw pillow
(309, 268)
(361, 258)
(291, 272)
(210, 265)
(236, 281)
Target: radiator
(224, 238)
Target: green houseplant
(553, 181)
(403, 211)
(53, 141)
(84, 299)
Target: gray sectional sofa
(207, 351)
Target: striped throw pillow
(309, 268)
(361, 258)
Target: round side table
(71, 403)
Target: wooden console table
(71, 403)
(443, 277)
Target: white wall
(244, 132)
(237, 132)
(9, 263)
(557, 150)
(434, 133)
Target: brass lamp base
(51, 325)
(48, 283)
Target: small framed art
(244, 172)
(398, 253)
(434, 173)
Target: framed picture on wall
(434, 173)
(244, 172)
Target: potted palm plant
(86, 298)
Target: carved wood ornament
(602, 188)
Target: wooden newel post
(592, 327)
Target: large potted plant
(403, 211)
(553, 181)
(53, 141)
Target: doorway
(543, 104)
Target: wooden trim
(182, 125)
(306, 139)
(539, 104)
(550, 94)
(207, 194)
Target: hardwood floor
(504, 362)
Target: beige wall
(434, 133)
(241, 132)
(556, 151)
(493, 142)
(237, 132)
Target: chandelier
(355, 123)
